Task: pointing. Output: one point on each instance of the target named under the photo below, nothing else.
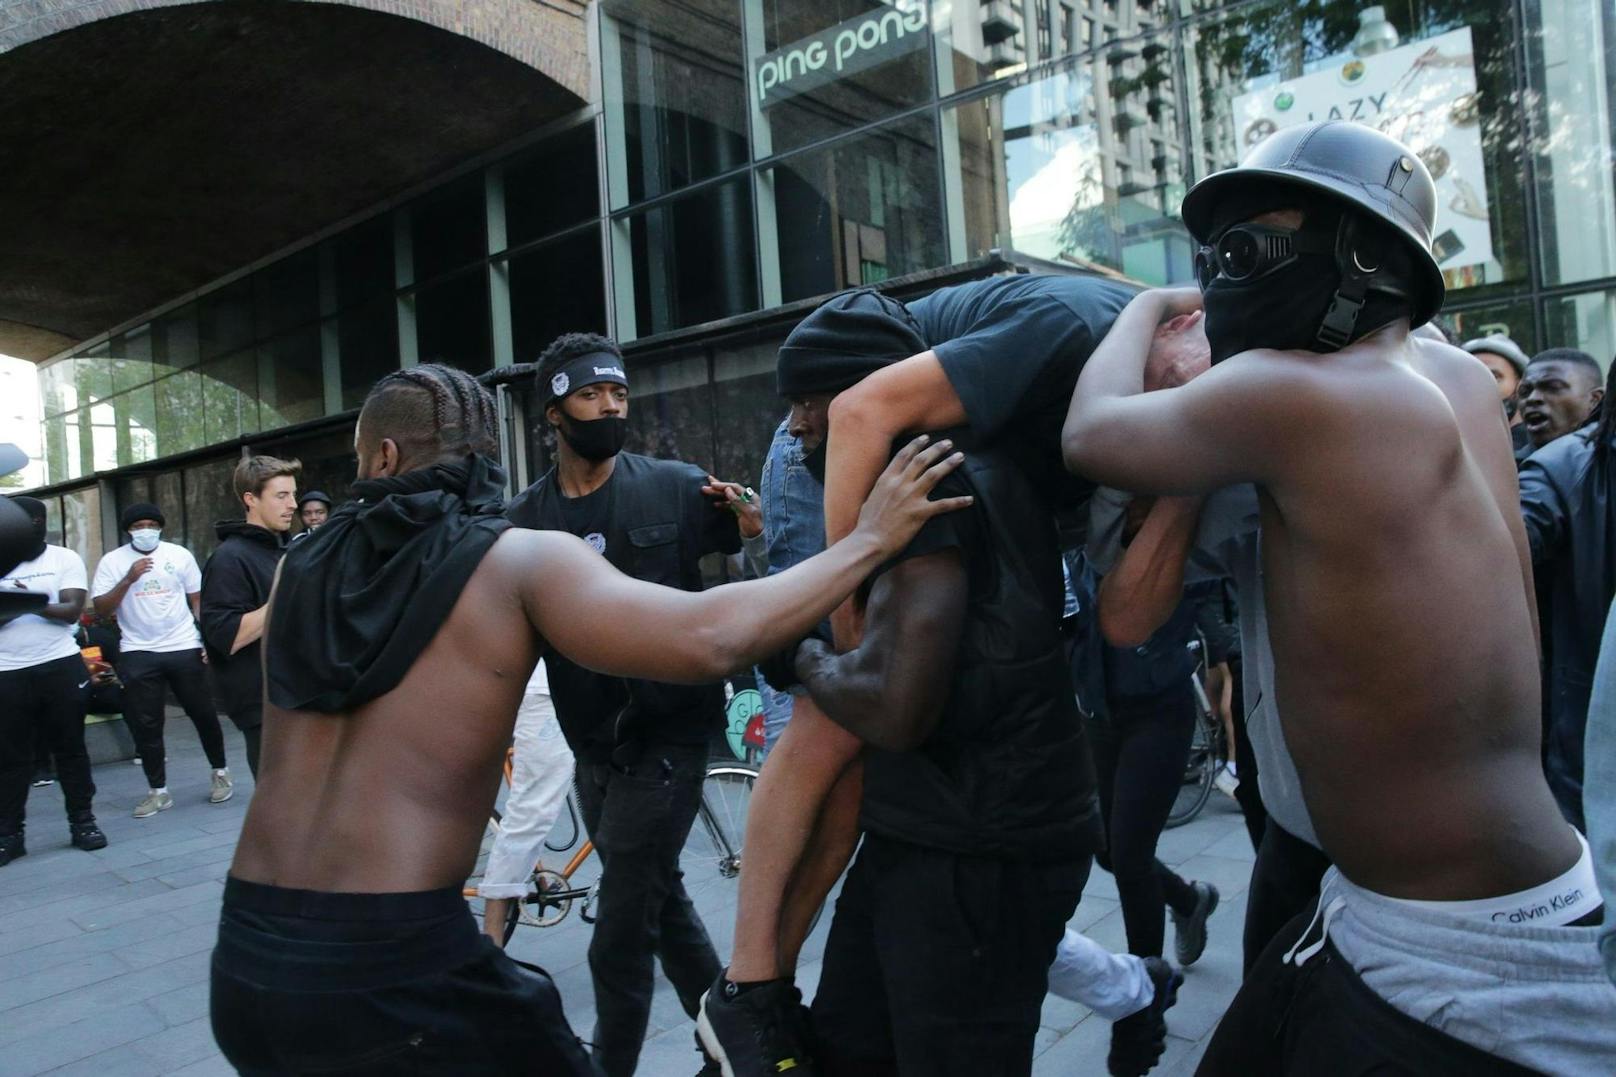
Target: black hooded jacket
(235, 581)
(1568, 500)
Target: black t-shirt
(652, 522)
(1013, 348)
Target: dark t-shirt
(652, 522)
(235, 581)
(1013, 348)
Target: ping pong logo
(843, 49)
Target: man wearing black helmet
(1452, 936)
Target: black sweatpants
(1323, 1020)
(1139, 757)
(639, 816)
(374, 985)
(146, 675)
(49, 699)
(937, 963)
(1284, 882)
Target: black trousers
(639, 816)
(146, 675)
(938, 963)
(374, 985)
(1139, 758)
(45, 699)
(1245, 760)
(1323, 1020)
(1284, 882)
(252, 738)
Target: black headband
(591, 368)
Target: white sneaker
(154, 803)
(1226, 780)
(223, 789)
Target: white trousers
(541, 774)
(1112, 985)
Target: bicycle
(715, 845)
(1208, 750)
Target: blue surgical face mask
(145, 539)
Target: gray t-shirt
(1228, 542)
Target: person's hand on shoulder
(900, 503)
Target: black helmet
(1359, 165)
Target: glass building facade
(745, 157)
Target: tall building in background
(462, 182)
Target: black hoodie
(236, 581)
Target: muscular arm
(67, 607)
(890, 691)
(106, 605)
(613, 624)
(1141, 592)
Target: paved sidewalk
(104, 956)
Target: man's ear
(1596, 396)
(1183, 321)
(390, 456)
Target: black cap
(34, 507)
(143, 510)
(849, 337)
(314, 495)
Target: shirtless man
(399, 639)
(1399, 601)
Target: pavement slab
(104, 956)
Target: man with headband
(641, 747)
(399, 639)
(1455, 933)
(42, 683)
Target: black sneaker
(709, 1064)
(11, 848)
(757, 1032)
(1189, 932)
(1138, 1040)
(87, 835)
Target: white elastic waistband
(1556, 903)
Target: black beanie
(143, 510)
(34, 507)
(849, 337)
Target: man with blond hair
(235, 588)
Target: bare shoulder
(1460, 375)
(525, 551)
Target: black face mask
(595, 439)
(1281, 310)
(815, 462)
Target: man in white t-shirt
(42, 682)
(155, 588)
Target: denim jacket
(793, 503)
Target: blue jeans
(793, 504)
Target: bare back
(1399, 610)
(395, 795)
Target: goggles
(1245, 252)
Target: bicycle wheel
(1200, 769)
(715, 841)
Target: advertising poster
(1423, 95)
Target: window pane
(100, 437)
(367, 347)
(1447, 90)
(556, 289)
(73, 425)
(981, 41)
(747, 406)
(81, 524)
(670, 410)
(551, 186)
(692, 259)
(451, 323)
(92, 375)
(180, 423)
(53, 521)
(287, 293)
(678, 114)
(859, 212)
(291, 380)
(176, 344)
(1572, 87)
(832, 65)
(56, 451)
(448, 228)
(1042, 175)
(230, 397)
(56, 389)
(210, 496)
(135, 414)
(1512, 318)
(1583, 321)
(226, 318)
(131, 358)
(364, 261)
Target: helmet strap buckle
(1353, 248)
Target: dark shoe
(87, 835)
(709, 1064)
(1138, 1040)
(1189, 932)
(11, 848)
(755, 1033)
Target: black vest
(1007, 772)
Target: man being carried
(1398, 594)
(398, 643)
